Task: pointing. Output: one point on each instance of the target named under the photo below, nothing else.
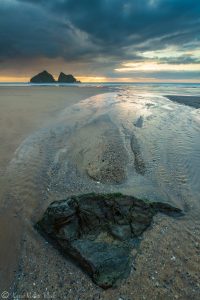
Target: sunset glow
(101, 41)
(155, 66)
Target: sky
(101, 40)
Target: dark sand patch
(139, 161)
(193, 101)
(139, 122)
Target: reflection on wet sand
(140, 144)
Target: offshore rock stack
(45, 77)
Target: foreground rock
(99, 231)
(43, 77)
(63, 78)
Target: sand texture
(24, 110)
(56, 143)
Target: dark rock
(63, 78)
(99, 231)
(43, 77)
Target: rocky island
(45, 77)
(63, 78)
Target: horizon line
(98, 82)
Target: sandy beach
(100, 150)
(61, 141)
(23, 111)
(26, 109)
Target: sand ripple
(101, 145)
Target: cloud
(99, 31)
(183, 59)
(127, 22)
(27, 31)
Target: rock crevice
(98, 231)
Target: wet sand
(78, 150)
(24, 110)
(193, 101)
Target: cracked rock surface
(99, 231)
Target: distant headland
(45, 77)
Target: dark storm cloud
(27, 31)
(83, 27)
(126, 22)
(98, 31)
